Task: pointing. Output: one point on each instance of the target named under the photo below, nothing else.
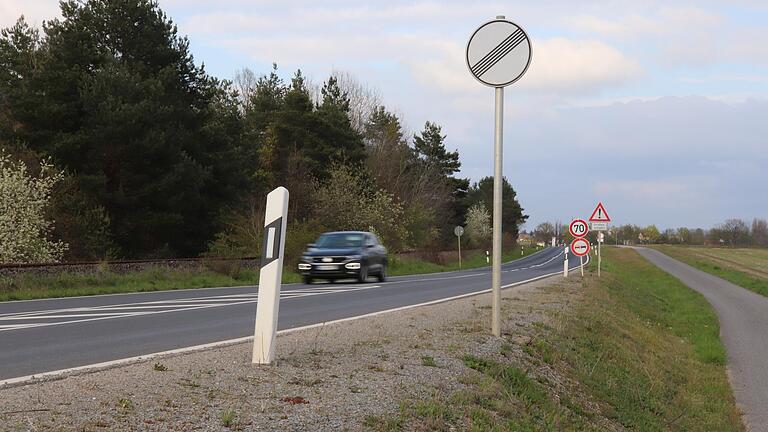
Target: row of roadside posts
(580, 246)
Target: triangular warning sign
(599, 215)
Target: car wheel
(362, 276)
(307, 280)
(383, 273)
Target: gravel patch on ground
(329, 378)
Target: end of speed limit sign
(578, 228)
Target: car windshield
(339, 240)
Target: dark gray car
(344, 255)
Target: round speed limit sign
(578, 228)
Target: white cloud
(658, 21)
(682, 36)
(689, 129)
(629, 26)
(561, 64)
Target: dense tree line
(732, 233)
(160, 159)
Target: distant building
(525, 238)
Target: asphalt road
(46, 335)
(743, 329)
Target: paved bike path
(743, 317)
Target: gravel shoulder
(327, 378)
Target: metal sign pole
(459, 230)
(270, 275)
(498, 54)
(497, 185)
(459, 238)
(581, 261)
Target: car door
(381, 253)
(371, 253)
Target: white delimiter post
(599, 257)
(270, 275)
(497, 183)
(565, 263)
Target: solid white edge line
(126, 361)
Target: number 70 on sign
(578, 228)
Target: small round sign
(580, 247)
(578, 228)
(459, 231)
(498, 53)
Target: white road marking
(113, 363)
(98, 313)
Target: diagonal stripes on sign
(501, 54)
(500, 51)
(486, 59)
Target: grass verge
(30, 286)
(747, 268)
(409, 266)
(638, 351)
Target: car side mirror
(310, 245)
(369, 246)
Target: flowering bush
(478, 227)
(24, 230)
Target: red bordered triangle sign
(599, 215)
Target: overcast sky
(657, 108)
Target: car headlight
(353, 266)
(305, 266)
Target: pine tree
(430, 148)
(114, 96)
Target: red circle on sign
(574, 227)
(580, 247)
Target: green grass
(638, 351)
(29, 286)
(228, 417)
(67, 284)
(747, 268)
(649, 347)
(409, 266)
